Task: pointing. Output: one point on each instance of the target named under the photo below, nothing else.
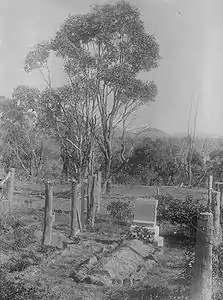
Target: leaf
(38, 56)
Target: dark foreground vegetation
(31, 271)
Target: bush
(9, 221)
(18, 264)
(17, 235)
(23, 237)
(121, 211)
(183, 213)
(19, 289)
(142, 233)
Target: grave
(145, 215)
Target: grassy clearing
(27, 261)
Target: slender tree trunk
(189, 175)
(189, 168)
(65, 171)
(30, 167)
(107, 184)
(65, 159)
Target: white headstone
(146, 210)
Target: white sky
(191, 46)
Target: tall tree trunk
(190, 175)
(65, 169)
(108, 159)
(107, 183)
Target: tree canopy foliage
(103, 53)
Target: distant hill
(199, 134)
(152, 133)
(3, 99)
(203, 142)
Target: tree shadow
(178, 241)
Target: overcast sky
(190, 37)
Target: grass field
(63, 192)
(150, 191)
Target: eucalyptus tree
(103, 52)
(21, 137)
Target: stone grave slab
(146, 211)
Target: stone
(146, 211)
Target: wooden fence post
(202, 277)
(94, 200)
(217, 232)
(48, 218)
(221, 203)
(11, 185)
(210, 188)
(73, 207)
(89, 193)
(157, 192)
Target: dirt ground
(55, 271)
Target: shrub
(218, 260)
(183, 213)
(19, 289)
(121, 211)
(9, 221)
(15, 234)
(23, 236)
(18, 264)
(142, 233)
(46, 250)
